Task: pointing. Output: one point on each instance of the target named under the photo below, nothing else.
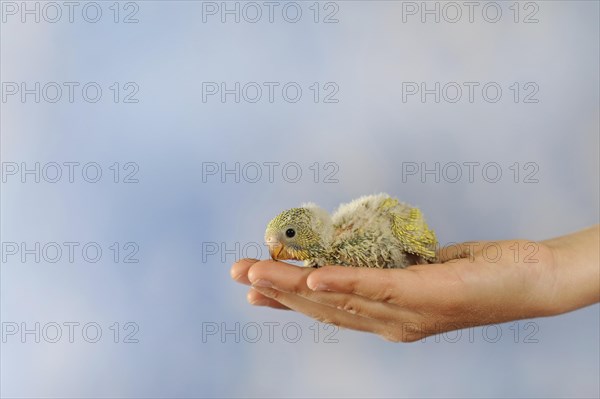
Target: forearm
(577, 261)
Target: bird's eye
(290, 233)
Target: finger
(376, 284)
(279, 275)
(292, 279)
(361, 306)
(239, 270)
(326, 314)
(415, 288)
(257, 299)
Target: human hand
(477, 283)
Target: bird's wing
(409, 227)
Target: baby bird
(372, 231)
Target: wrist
(574, 270)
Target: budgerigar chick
(372, 231)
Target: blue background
(177, 288)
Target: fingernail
(260, 302)
(263, 283)
(318, 287)
(268, 292)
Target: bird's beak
(277, 250)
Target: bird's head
(299, 233)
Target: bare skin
(475, 284)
